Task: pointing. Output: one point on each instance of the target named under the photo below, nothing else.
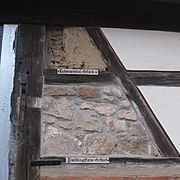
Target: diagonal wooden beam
(162, 140)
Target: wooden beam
(51, 77)
(28, 78)
(1, 38)
(162, 140)
(159, 78)
(139, 14)
(149, 160)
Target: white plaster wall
(165, 103)
(143, 49)
(6, 84)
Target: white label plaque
(77, 71)
(78, 160)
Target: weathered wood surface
(160, 78)
(1, 38)
(28, 80)
(148, 160)
(51, 77)
(139, 14)
(161, 138)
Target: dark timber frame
(1, 38)
(129, 80)
(151, 14)
(162, 140)
(139, 14)
(28, 81)
(160, 78)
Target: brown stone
(59, 90)
(63, 108)
(89, 92)
(115, 125)
(105, 109)
(98, 144)
(58, 143)
(88, 123)
(80, 52)
(136, 146)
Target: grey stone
(88, 123)
(65, 124)
(113, 90)
(136, 146)
(63, 108)
(98, 144)
(125, 103)
(127, 114)
(58, 143)
(59, 90)
(48, 119)
(109, 98)
(115, 125)
(47, 102)
(106, 109)
(80, 134)
(137, 130)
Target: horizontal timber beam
(139, 14)
(159, 78)
(51, 77)
(60, 160)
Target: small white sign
(87, 160)
(77, 71)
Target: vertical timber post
(28, 81)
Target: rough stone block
(115, 125)
(63, 108)
(48, 119)
(47, 102)
(88, 123)
(59, 90)
(98, 144)
(136, 146)
(125, 103)
(57, 143)
(65, 124)
(127, 114)
(89, 92)
(112, 90)
(105, 109)
(137, 130)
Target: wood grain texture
(162, 140)
(160, 78)
(51, 77)
(139, 14)
(1, 38)
(28, 76)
